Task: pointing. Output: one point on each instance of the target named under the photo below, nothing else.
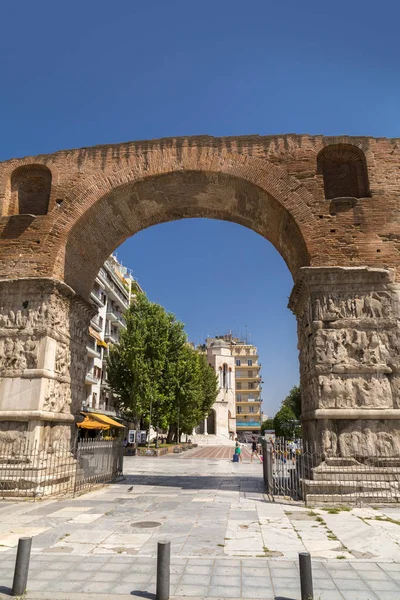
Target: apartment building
(113, 291)
(248, 387)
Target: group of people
(254, 450)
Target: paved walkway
(227, 540)
(223, 452)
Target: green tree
(267, 424)
(138, 367)
(285, 423)
(293, 401)
(194, 393)
(157, 377)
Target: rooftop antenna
(245, 337)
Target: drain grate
(145, 524)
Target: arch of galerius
(329, 205)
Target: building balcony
(243, 390)
(93, 352)
(111, 338)
(102, 277)
(97, 324)
(246, 378)
(248, 401)
(91, 379)
(112, 315)
(96, 297)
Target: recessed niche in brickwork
(30, 190)
(344, 171)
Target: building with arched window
(220, 357)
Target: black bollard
(163, 570)
(306, 584)
(22, 566)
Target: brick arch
(106, 210)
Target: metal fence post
(306, 584)
(163, 570)
(22, 566)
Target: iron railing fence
(98, 462)
(301, 472)
(32, 470)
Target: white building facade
(221, 421)
(112, 293)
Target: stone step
(370, 474)
(343, 487)
(367, 497)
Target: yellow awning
(97, 337)
(89, 423)
(107, 420)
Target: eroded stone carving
(350, 305)
(349, 344)
(11, 432)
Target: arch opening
(130, 208)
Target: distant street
(223, 452)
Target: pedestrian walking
(253, 449)
(238, 451)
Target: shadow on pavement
(197, 482)
(143, 594)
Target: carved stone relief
(43, 338)
(349, 345)
(12, 433)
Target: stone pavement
(225, 452)
(227, 540)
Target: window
(238, 386)
(251, 386)
(31, 186)
(251, 409)
(225, 377)
(250, 362)
(344, 171)
(249, 373)
(238, 362)
(238, 397)
(239, 410)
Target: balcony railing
(97, 323)
(113, 288)
(111, 337)
(97, 297)
(91, 378)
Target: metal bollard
(163, 570)
(306, 584)
(22, 566)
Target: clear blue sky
(91, 72)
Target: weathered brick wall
(100, 196)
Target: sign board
(131, 436)
(269, 434)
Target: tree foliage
(156, 375)
(293, 401)
(267, 424)
(286, 420)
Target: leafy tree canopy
(156, 375)
(267, 424)
(293, 401)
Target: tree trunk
(171, 433)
